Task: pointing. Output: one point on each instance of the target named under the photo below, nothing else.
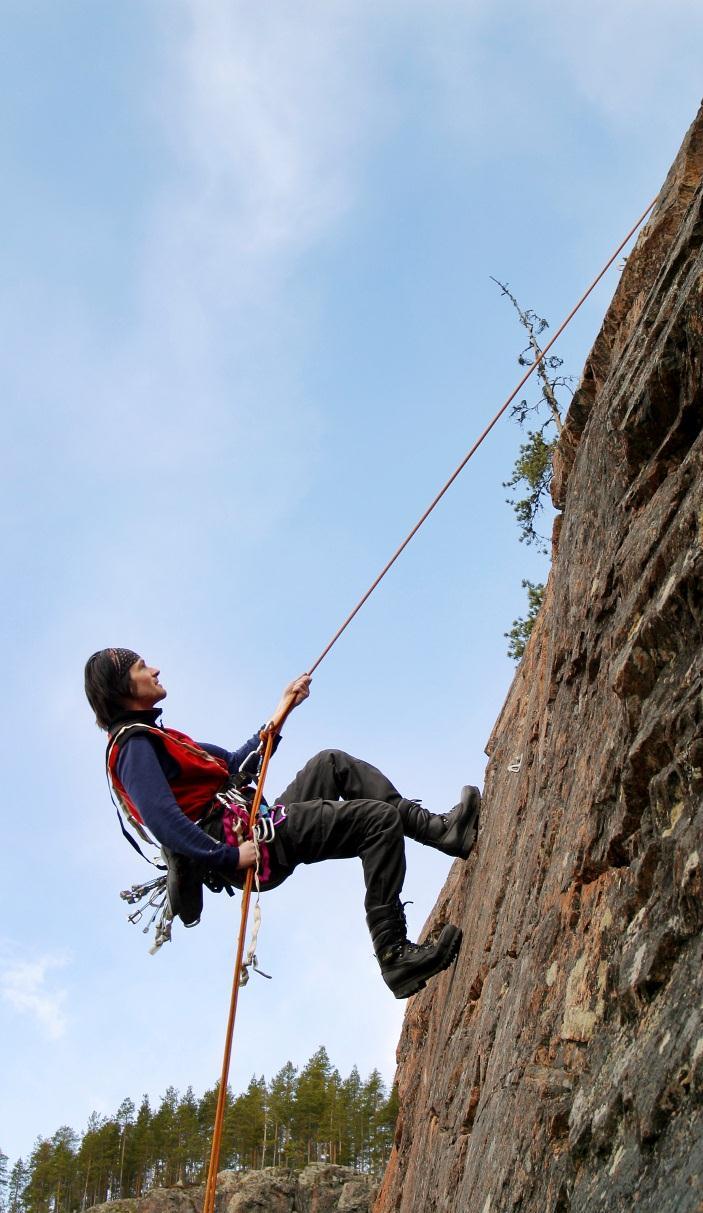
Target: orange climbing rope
(268, 736)
(275, 725)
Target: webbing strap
(132, 841)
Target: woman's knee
(386, 819)
(331, 756)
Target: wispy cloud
(267, 114)
(275, 109)
(270, 116)
(27, 987)
(266, 117)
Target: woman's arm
(141, 775)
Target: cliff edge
(558, 1068)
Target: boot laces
(418, 948)
(408, 946)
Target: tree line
(311, 1115)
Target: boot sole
(414, 984)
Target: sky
(249, 330)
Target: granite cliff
(559, 1066)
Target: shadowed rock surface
(559, 1066)
(319, 1188)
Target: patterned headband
(122, 660)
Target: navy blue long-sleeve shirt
(144, 767)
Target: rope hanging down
(276, 724)
(211, 1182)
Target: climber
(194, 798)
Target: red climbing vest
(200, 776)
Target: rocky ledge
(319, 1188)
(559, 1066)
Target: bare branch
(531, 321)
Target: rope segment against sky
(480, 439)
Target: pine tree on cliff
(532, 470)
(3, 1181)
(189, 1138)
(141, 1150)
(62, 1170)
(39, 1189)
(98, 1160)
(16, 1184)
(125, 1120)
(352, 1136)
(281, 1105)
(384, 1130)
(373, 1098)
(247, 1123)
(206, 1118)
(85, 1163)
(310, 1101)
(333, 1116)
(165, 1139)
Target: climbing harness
(177, 891)
(267, 735)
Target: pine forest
(300, 1116)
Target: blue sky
(249, 330)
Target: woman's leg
(334, 775)
(315, 830)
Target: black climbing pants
(339, 807)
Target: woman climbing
(193, 797)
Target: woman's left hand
(294, 694)
(299, 689)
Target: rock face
(320, 1188)
(559, 1066)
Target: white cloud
(269, 112)
(26, 986)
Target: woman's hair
(107, 682)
